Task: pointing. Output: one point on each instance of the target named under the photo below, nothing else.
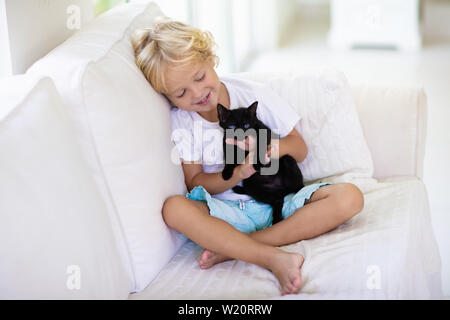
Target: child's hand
(249, 143)
(246, 169)
(273, 150)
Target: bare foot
(286, 267)
(210, 258)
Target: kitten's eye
(232, 127)
(246, 126)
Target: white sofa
(87, 162)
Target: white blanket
(388, 251)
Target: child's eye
(181, 95)
(203, 77)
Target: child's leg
(328, 207)
(192, 218)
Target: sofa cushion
(124, 128)
(388, 251)
(330, 124)
(401, 111)
(56, 240)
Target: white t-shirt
(200, 140)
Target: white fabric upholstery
(387, 251)
(56, 240)
(394, 120)
(124, 128)
(330, 125)
(391, 238)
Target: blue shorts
(250, 215)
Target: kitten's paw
(266, 165)
(238, 189)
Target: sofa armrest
(393, 119)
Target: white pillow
(330, 125)
(124, 128)
(56, 240)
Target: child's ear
(222, 112)
(252, 108)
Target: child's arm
(213, 182)
(293, 144)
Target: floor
(305, 49)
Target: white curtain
(241, 28)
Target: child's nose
(197, 93)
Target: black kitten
(263, 187)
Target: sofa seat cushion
(388, 251)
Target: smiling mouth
(204, 100)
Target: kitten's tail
(277, 211)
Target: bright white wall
(37, 26)
(436, 19)
(5, 58)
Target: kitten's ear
(252, 108)
(222, 112)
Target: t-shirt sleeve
(183, 138)
(276, 112)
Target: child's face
(193, 87)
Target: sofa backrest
(393, 120)
(56, 240)
(123, 126)
(329, 124)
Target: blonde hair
(170, 42)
